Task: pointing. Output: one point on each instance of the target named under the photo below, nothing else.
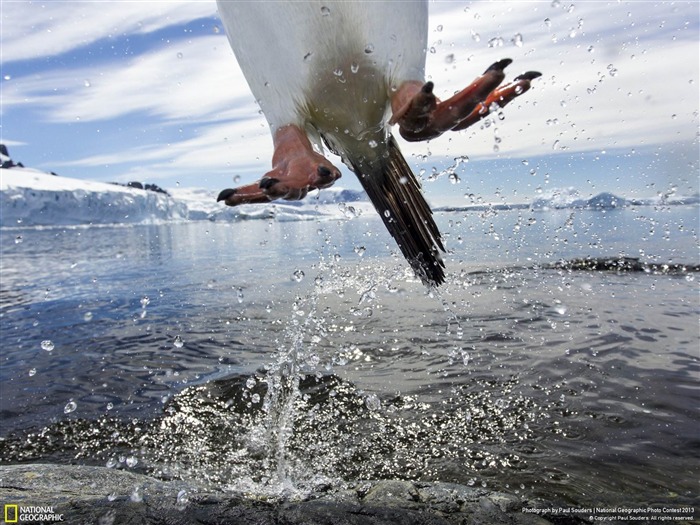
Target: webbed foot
(296, 170)
(422, 116)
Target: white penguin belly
(327, 64)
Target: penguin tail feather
(396, 194)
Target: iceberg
(30, 197)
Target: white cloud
(615, 75)
(611, 78)
(187, 79)
(33, 30)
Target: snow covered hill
(30, 197)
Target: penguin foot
(422, 116)
(296, 170)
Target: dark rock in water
(622, 264)
(84, 494)
(140, 186)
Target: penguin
(341, 75)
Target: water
(281, 358)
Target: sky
(150, 91)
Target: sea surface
(278, 358)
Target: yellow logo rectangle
(11, 513)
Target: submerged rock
(622, 264)
(84, 494)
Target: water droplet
(298, 275)
(70, 407)
(32, 372)
(178, 342)
(136, 496)
(239, 295)
(372, 144)
(387, 213)
(373, 403)
(7, 77)
(87, 316)
(131, 461)
(236, 179)
(496, 41)
(255, 398)
(517, 40)
(182, 498)
(250, 382)
(111, 463)
(145, 300)
(354, 67)
(47, 345)
(87, 83)
(476, 36)
(325, 11)
(110, 406)
(454, 178)
(18, 239)
(547, 22)
(179, 55)
(369, 49)
(338, 72)
(449, 59)
(439, 28)
(360, 250)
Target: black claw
(324, 172)
(529, 75)
(225, 194)
(427, 88)
(267, 182)
(500, 65)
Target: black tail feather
(396, 194)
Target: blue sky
(150, 91)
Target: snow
(29, 197)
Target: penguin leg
(296, 170)
(422, 116)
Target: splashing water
(357, 372)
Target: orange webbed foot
(421, 116)
(297, 169)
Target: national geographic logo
(28, 514)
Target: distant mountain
(570, 198)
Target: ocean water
(280, 358)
